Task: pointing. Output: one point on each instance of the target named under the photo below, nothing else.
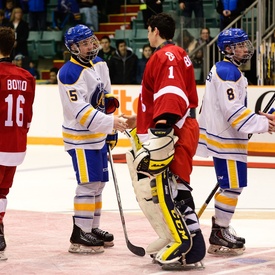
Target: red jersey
(169, 86)
(17, 88)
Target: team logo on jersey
(97, 99)
(171, 56)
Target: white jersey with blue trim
(225, 121)
(82, 90)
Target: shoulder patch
(227, 71)
(70, 72)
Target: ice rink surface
(38, 222)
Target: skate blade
(179, 266)
(109, 244)
(78, 248)
(225, 251)
(3, 256)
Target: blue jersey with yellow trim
(225, 121)
(82, 91)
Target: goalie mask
(157, 153)
(235, 45)
(81, 35)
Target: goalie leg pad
(182, 242)
(151, 211)
(185, 204)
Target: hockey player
(17, 88)
(225, 122)
(167, 129)
(84, 87)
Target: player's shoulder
(25, 73)
(169, 52)
(70, 72)
(227, 71)
(98, 60)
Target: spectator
(4, 22)
(188, 7)
(197, 61)
(229, 10)
(188, 41)
(147, 51)
(89, 8)
(149, 8)
(53, 77)
(21, 28)
(107, 51)
(66, 11)
(123, 65)
(37, 15)
(33, 70)
(8, 9)
(204, 36)
(18, 60)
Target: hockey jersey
(82, 90)
(225, 121)
(168, 86)
(17, 89)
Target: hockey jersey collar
(163, 44)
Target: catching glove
(111, 139)
(111, 103)
(157, 153)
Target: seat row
(44, 44)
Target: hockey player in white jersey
(84, 87)
(225, 122)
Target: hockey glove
(111, 103)
(111, 139)
(157, 153)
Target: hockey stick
(139, 251)
(257, 108)
(209, 198)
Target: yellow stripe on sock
(225, 200)
(84, 207)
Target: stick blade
(137, 250)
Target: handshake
(271, 119)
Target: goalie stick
(139, 251)
(257, 108)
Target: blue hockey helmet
(76, 34)
(79, 33)
(233, 37)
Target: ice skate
(232, 232)
(183, 266)
(222, 242)
(82, 242)
(2, 244)
(105, 236)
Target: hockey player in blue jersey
(225, 123)
(84, 87)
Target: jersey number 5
(18, 110)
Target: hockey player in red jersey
(167, 129)
(17, 87)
